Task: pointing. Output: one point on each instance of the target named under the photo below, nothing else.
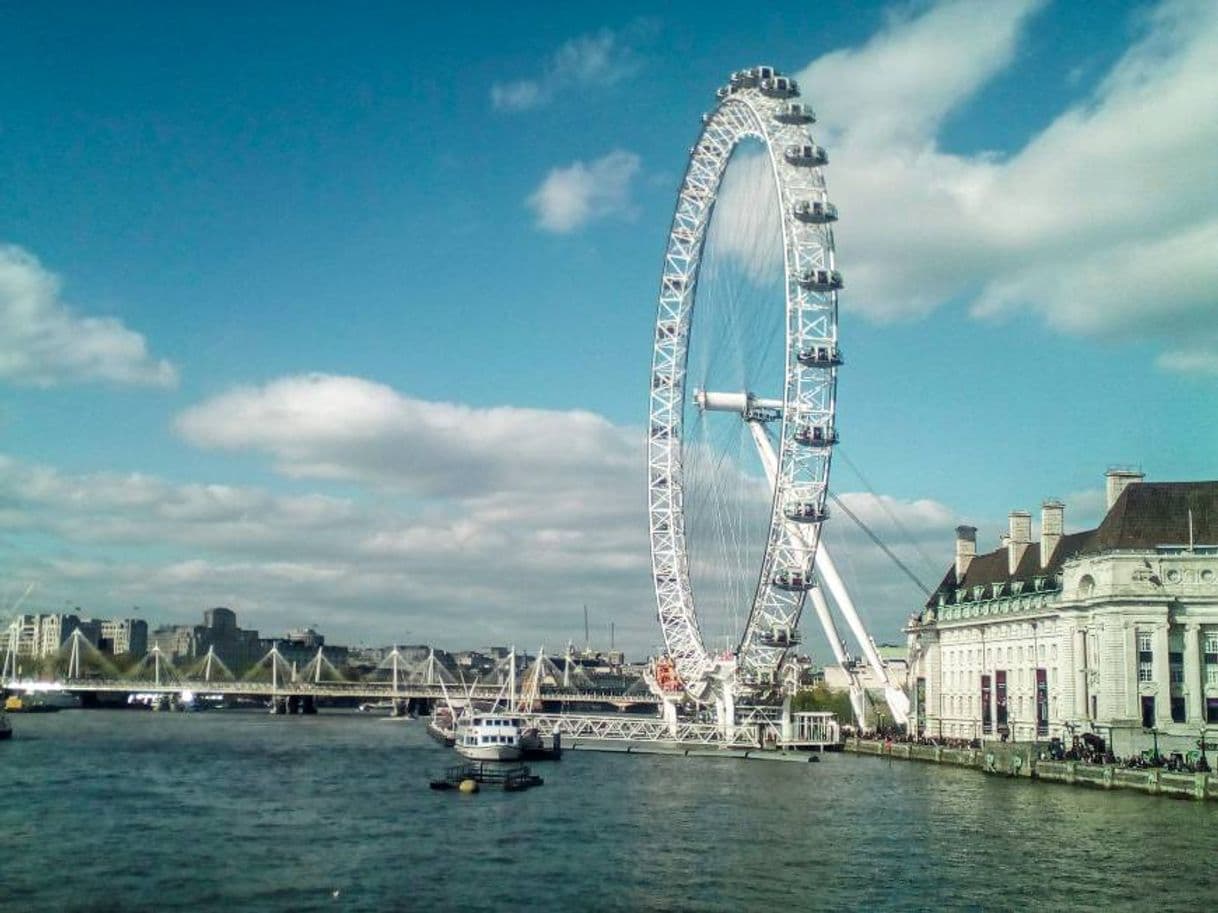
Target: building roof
(1150, 514)
(1146, 515)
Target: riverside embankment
(1021, 760)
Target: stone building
(237, 648)
(1111, 631)
(120, 636)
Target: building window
(1175, 662)
(1177, 710)
(1211, 657)
(1211, 709)
(1148, 711)
(1146, 666)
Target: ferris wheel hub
(746, 404)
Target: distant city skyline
(345, 319)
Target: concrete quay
(1019, 760)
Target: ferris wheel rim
(746, 110)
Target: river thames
(126, 811)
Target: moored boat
(442, 728)
(489, 737)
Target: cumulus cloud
(598, 59)
(328, 427)
(1101, 224)
(459, 525)
(45, 343)
(582, 192)
(459, 570)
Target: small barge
(511, 779)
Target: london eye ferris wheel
(743, 380)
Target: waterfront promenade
(1022, 760)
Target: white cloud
(459, 525)
(326, 427)
(598, 59)
(518, 96)
(1102, 224)
(44, 343)
(582, 192)
(460, 570)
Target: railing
(375, 690)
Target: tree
(821, 699)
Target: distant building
(299, 648)
(238, 649)
(1112, 631)
(896, 659)
(123, 635)
(41, 635)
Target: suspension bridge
(273, 678)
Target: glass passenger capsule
(795, 113)
(796, 580)
(820, 357)
(808, 155)
(806, 512)
(779, 87)
(816, 436)
(815, 212)
(820, 280)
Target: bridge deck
(352, 690)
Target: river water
(126, 811)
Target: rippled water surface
(108, 811)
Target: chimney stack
(1052, 512)
(1020, 537)
(1118, 480)
(966, 549)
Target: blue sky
(331, 314)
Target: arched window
(1086, 585)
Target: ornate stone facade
(1112, 631)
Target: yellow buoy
(468, 786)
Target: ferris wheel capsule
(779, 87)
(808, 155)
(795, 113)
(820, 280)
(816, 212)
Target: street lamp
(1154, 734)
(1203, 764)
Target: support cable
(876, 539)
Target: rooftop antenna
(612, 636)
(587, 644)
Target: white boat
(489, 737)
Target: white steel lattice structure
(763, 105)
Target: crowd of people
(1089, 749)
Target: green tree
(821, 699)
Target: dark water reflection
(129, 811)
